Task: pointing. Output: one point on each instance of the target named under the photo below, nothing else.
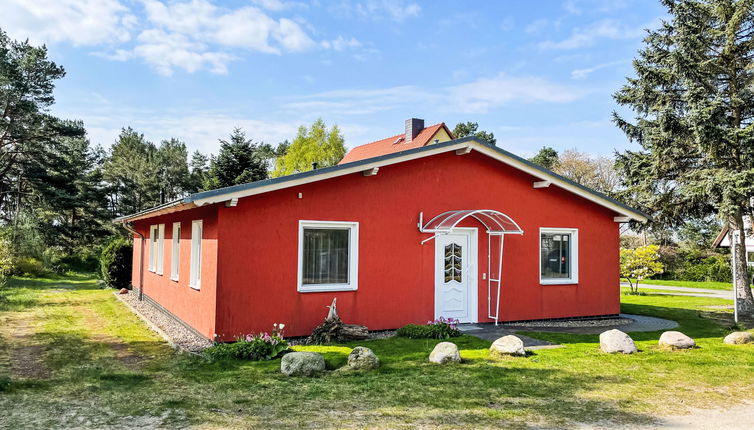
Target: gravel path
(174, 332)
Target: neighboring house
(415, 136)
(403, 236)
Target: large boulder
(615, 341)
(739, 338)
(506, 346)
(676, 340)
(362, 358)
(445, 352)
(302, 363)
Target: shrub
(6, 258)
(441, 328)
(30, 266)
(258, 347)
(115, 263)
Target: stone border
(165, 324)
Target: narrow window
(175, 260)
(160, 248)
(453, 261)
(195, 275)
(558, 256)
(328, 256)
(152, 248)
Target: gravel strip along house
(404, 230)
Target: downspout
(141, 259)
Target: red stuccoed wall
(258, 253)
(195, 307)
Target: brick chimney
(413, 127)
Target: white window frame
(195, 271)
(152, 264)
(175, 252)
(353, 256)
(574, 279)
(160, 249)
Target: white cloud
(355, 101)
(277, 5)
(586, 36)
(477, 96)
(341, 43)
(483, 94)
(79, 22)
(396, 10)
(194, 35)
(188, 35)
(584, 73)
(167, 51)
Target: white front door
(455, 275)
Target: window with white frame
(160, 249)
(175, 256)
(558, 255)
(328, 256)
(195, 271)
(152, 248)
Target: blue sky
(534, 73)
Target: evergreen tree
(315, 144)
(694, 107)
(546, 157)
(198, 166)
(68, 195)
(463, 129)
(27, 130)
(238, 162)
(133, 172)
(175, 178)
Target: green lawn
(691, 284)
(72, 355)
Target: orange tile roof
(393, 144)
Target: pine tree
(694, 107)
(198, 166)
(175, 178)
(463, 129)
(238, 162)
(132, 171)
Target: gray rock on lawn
(445, 352)
(507, 345)
(362, 358)
(676, 340)
(614, 341)
(302, 363)
(739, 338)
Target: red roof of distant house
(393, 144)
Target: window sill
(195, 287)
(560, 282)
(174, 279)
(325, 288)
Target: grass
(101, 367)
(690, 284)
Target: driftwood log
(334, 330)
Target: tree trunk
(741, 289)
(353, 332)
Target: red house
(417, 230)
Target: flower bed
(254, 347)
(441, 328)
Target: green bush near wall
(115, 263)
